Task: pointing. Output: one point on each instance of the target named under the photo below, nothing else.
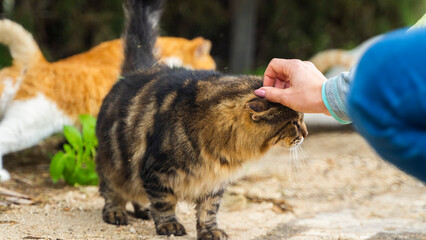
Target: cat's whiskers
(305, 156)
(298, 158)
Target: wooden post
(243, 38)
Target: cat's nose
(304, 129)
(305, 133)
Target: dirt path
(344, 191)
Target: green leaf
(80, 176)
(90, 165)
(70, 165)
(57, 166)
(88, 123)
(72, 178)
(93, 152)
(73, 136)
(87, 177)
(87, 120)
(79, 157)
(68, 149)
(92, 179)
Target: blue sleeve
(387, 100)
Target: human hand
(294, 83)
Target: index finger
(277, 69)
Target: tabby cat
(37, 98)
(169, 134)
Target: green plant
(76, 164)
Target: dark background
(279, 28)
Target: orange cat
(38, 97)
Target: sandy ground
(343, 191)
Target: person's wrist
(319, 104)
(322, 108)
(324, 99)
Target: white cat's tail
(23, 48)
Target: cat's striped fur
(37, 97)
(169, 134)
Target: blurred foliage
(62, 28)
(288, 29)
(298, 29)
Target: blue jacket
(385, 98)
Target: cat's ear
(202, 47)
(259, 109)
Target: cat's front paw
(170, 228)
(116, 216)
(212, 234)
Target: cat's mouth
(298, 141)
(293, 143)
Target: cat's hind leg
(114, 211)
(4, 174)
(141, 211)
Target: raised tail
(23, 48)
(142, 17)
(333, 57)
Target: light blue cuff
(330, 110)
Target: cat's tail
(333, 57)
(23, 48)
(142, 17)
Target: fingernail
(260, 93)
